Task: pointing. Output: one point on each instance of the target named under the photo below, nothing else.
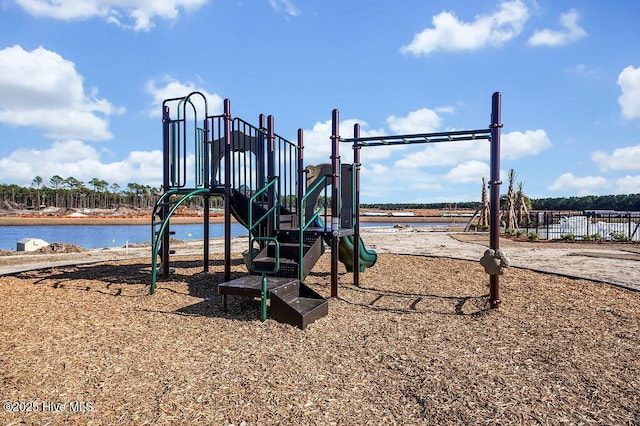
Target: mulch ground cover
(414, 344)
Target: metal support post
(164, 211)
(227, 190)
(495, 182)
(356, 206)
(302, 183)
(335, 200)
(206, 161)
(271, 172)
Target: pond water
(100, 236)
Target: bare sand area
(613, 263)
(415, 343)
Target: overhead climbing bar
(421, 138)
(491, 134)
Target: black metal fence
(592, 226)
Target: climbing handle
(276, 266)
(495, 262)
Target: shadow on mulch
(105, 274)
(464, 305)
(200, 284)
(409, 303)
(111, 280)
(204, 285)
(238, 308)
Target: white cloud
(586, 185)
(628, 185)
(515, 145)
(375, 170)
(53, 98)
(170, 88)
(445, 154)
(427, 186)
(468, 172)
(383, 182)
(451, 34)
(571, 31)
(629, 82)
(83, 162)
(138, 14)
(424, 120)
(583, 69)
(285, 6)
(626, 158)
(317, 142)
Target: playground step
(288, 267)
(288, 221)
(287, 250)
(251, 285)
(291, 302)
(297, 305)
(293, 235)
(265, 260)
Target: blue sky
(81, 83)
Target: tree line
(620, 202)
(72, 193)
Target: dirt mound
(60, 248)
(127, 210)
(9, 207)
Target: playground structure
(266, 187)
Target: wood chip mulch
(415, 344)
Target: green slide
(368, 257)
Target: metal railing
(263, 239)
(252, 157)
(182, 137)
(286, 157)
(622, 226)
(158, 228)
(306, 223)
